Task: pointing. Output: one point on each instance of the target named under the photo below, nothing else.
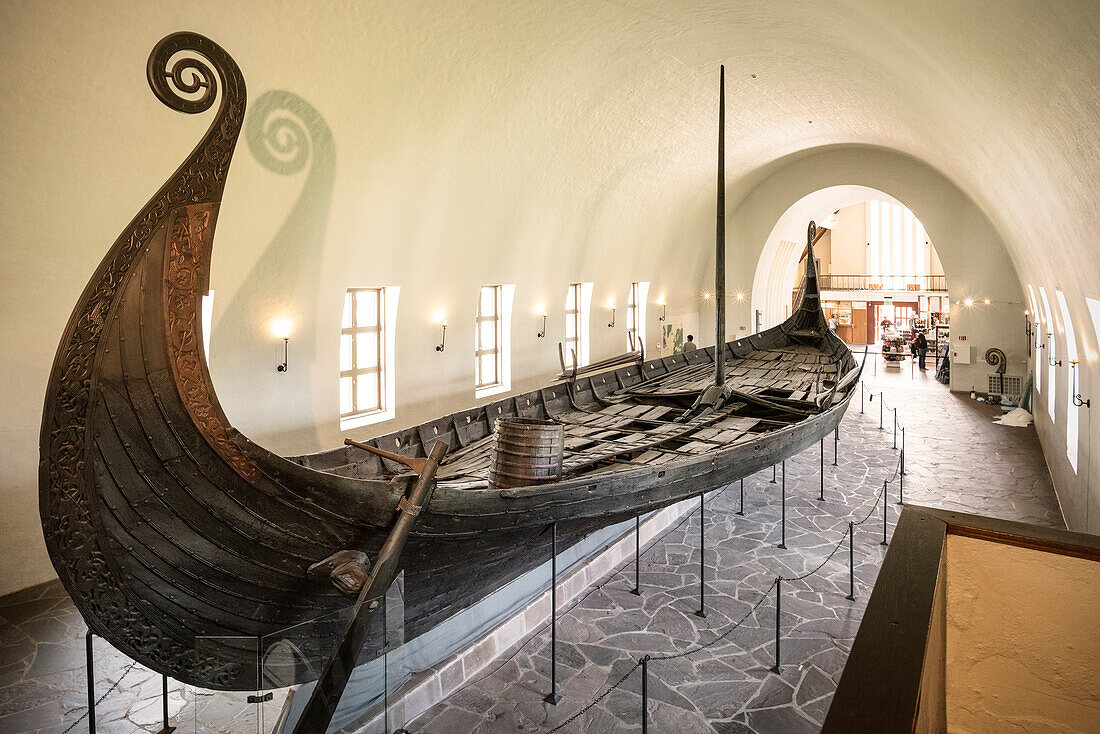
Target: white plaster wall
(850, 240)
(536, 144)
(1021, 640)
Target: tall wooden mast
(720, 242)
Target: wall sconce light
(1077, 400)
(443, 337)
(542, 334)
(280, 328)
(611, 324)
(286, 352)
(1027, 331)
(986, 301)
(706, 296)
(740, 295)
(1052, 362)
(969, 303)
(664, 308)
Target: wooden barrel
(526, 451)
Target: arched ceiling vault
(615, 100)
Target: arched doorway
(878, 266)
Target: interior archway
(815, 184)
(876, 262)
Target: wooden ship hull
(189, 547)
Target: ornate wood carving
(190, 237)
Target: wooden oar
(417, 465)
(330, 686)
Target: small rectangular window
(635, 316)
(573, 325)
(1035, 318)
(632, 344)
(487, 354)
(362, 353)
(1072, 415)
(1052, 377)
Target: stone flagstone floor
(955, 457)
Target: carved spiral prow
(178, 71)
(997, 358)
(147, 288)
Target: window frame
(353, 330)
(637, 296)
(385, 326)
(572, 344)
(481, 350)
(1073, 416)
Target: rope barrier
(821, 565)
(722, 636)
(879, 497)
(596, 700)
(101, 698)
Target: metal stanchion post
(836, 441)
(702, 611)
(783, 523)
(895, 429)
(742, 510)
(637, 590)
(821, 470)
(861, 397)
(901, 479)
(851, 565)
(91, 683)
(773, 474)
(164, 705)
(553, 697)
(645, 694)
(778, 609)
(880, 411)
(903, 450)
(885, 504)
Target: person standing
(832, 323)
(922, 350)
(690, 345)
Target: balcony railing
(832, 282)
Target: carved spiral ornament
(811, 233)
(997, 358)
(186, 75)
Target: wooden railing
(933, 283)
(895, 677)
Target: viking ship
(168, 527)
